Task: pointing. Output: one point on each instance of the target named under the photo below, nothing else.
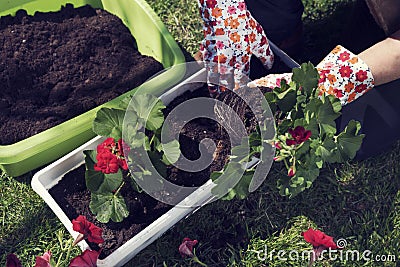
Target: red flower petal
(87, 259)
(88, 229)
(43, 261)
(186, 248)
(318, 238)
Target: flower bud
(291, 172)
(278, 145)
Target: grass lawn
(357, 201)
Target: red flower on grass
(110, 156)
(299, 134)
(320, 242)
(43, 261)
(318, 238)
(87, 230)
(186, 248)
(13, 261)
(87, 259)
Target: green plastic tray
(152, 39)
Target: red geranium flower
(43, 261)
(110, 156)
(13, 261)
(87, 259)
(320, 242)
(318, 239)
(361, 75)
(299, 135)
(87, 229)
(108, 144)
(186, 248)
(107, 162)
(345, 71)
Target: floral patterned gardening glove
(342, 74)
(231, 36)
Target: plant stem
(195, 259)
(119, 188)
(69, 249)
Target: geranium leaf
(154, 118)
(241, 190)
(349, 141)
(226, 180)
(101, 183)
(287, 100)
(93, 180)
(306, 76)
(90, 159)
(337, 106)
(111, 182)
(172, 151)
(108, 122)
(108, 206)
(292, 186)
(327, 150)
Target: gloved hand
(342, 74)
(231, 36)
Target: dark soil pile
(55, 66)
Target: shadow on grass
(350, 25)
(356, 201)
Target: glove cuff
(344, 75)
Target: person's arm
(383, 59)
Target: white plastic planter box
(51, 175)
(48, 177)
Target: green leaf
(93, 180)
(98, 182)
(324, 114)
(142, 103)
(307, 77)
(337, 106)
(271, 99)
(226, 180)
(241, 190)
(287, 100)
(327, 150)
(90, 159)
(172, 151)
(108, 206)
(137, 140)
(292, 186)
(108, 122)
(349, 141)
